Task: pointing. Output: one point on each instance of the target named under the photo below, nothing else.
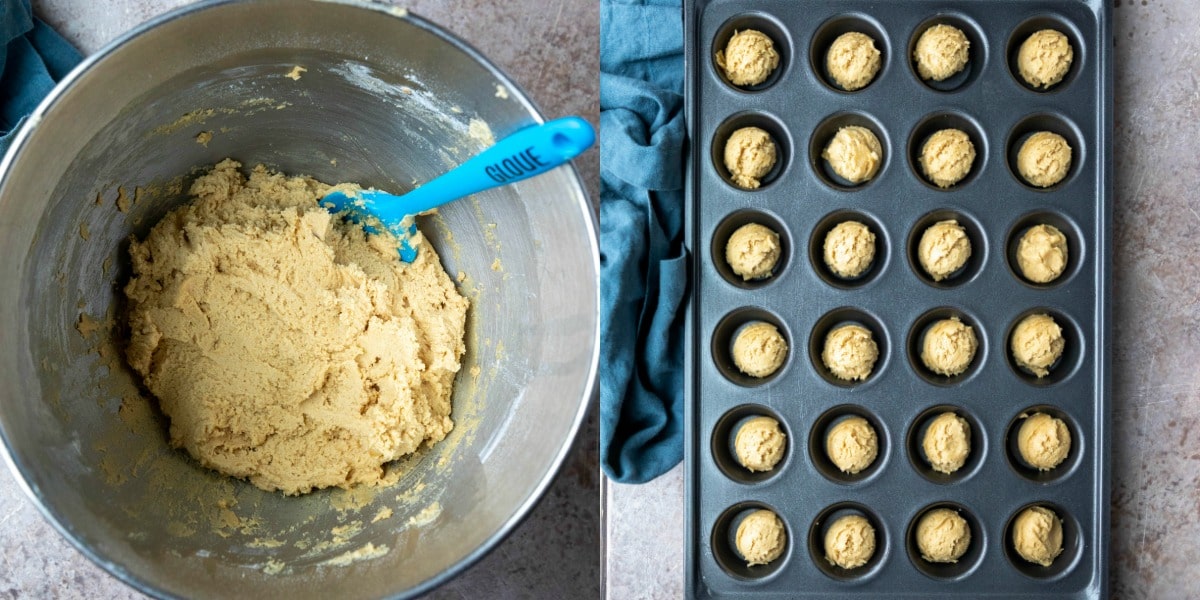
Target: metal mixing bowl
(386, 100)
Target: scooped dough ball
(759, 349)
(753, 251)
(947, 157)
(849, 249)
(1037, 535)
(947, 442)
(749, 156)
(749, 58)
(949, 347)
(850, 542)
(944, 249)
(941, 52)
(853, 60)
(1042, 254)
(1044, 58)
(1044, 159)
(1044, 441)
(854, 153)
(759, 444)
(852, 445)
(1037, 342)
(943, 536)
(761, 538)
(850, 352)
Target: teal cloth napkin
(34, 58)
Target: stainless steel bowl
(387, 99)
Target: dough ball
(1044, 58)
(1037, 342)
(1044, 441)
(759, 349)
(753, 251)
(850, 352)
(947, 157)
(761, 538)
(854, 153)
(1044, 159)
(942, 51)
(949, 347)
(943, 536)
(850, 542)
(853, 60)
(749, 58)
(749, 156)
(759, 444)
(947, 442)
(849, 249)
(852, 445)
(944, 248)
(1042, 254)
(1037, 535)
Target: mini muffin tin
(801, 199)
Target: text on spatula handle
(515, 166)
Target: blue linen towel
(33, 57)
(643, 266)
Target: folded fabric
(643, 267)
(34, 58)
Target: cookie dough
(1044, 159)
(850, 542)
(947, 156)
(1037, 535)
(949, 347)
(852, 445)
(850, 352)
(748, 59)
(285, 346)
(759, 349)
(849, 249)
(1042, 254)
(749, 156)
(942, 51)
(943, 536)
(853, 60)
(854, 153)
(944, 248)
(1043, 441)
(759, 444)
(761, 538)
(1044, 58)
(753, 251)
(947, 442)
(1037, 343)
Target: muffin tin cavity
(977, 51)
(1075, 250)
(757, 21)
(724, 450)
(837, 318)
(727, 331)
(779, 135)
(1054, 123)
(820, 432)
(816, 542)
(1033, 25)
(724, 543)
(935, 122)
(1066, 365)
(916, 439)
(816, 249)
(830, 30)
(731, 224)
(1072, 546)
(974, 263)
(947, 571)
(824, 133)
(1024, 469)
(916, 341)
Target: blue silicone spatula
(528, 152)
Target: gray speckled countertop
(551, 50)
(1156, 380)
